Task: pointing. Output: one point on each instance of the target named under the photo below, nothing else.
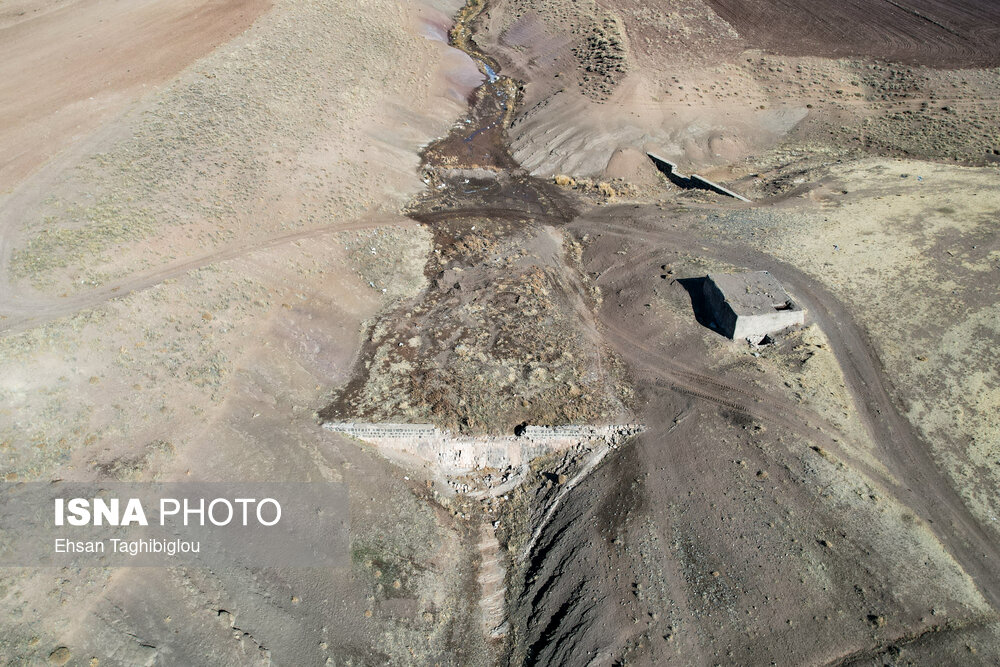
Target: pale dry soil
(67, 65)
(185, 283)
(913, 245)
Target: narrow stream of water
(496, 339)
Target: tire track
(27, 309)
(784, 414)
(921, 482)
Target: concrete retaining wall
(693, 181)
(458, 454)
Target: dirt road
(23, 308)
(918, 480)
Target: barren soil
(927, 32)
(66, 66)
(682, 81)
(314, 211)
(189, 279)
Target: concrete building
(750, 305)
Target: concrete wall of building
(755, 327)
(752, 327)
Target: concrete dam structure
(462, 454)
(694, 181)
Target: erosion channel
(503, 337)
(738, 499)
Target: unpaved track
(785, 414)
(26, 309)
(921, 483)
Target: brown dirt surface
(314, 210)
(182, 309)
(939, 33)
(689, 86)
(682, 526)
(65, 66)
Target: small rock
(60, 656)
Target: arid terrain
(224, 226)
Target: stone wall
(459, 454)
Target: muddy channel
(504, 333)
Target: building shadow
(695, 287)
(669, 169)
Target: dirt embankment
(602, 78)
(936, 33)
(232, 233)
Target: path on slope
(23, 308)
(919, 480)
